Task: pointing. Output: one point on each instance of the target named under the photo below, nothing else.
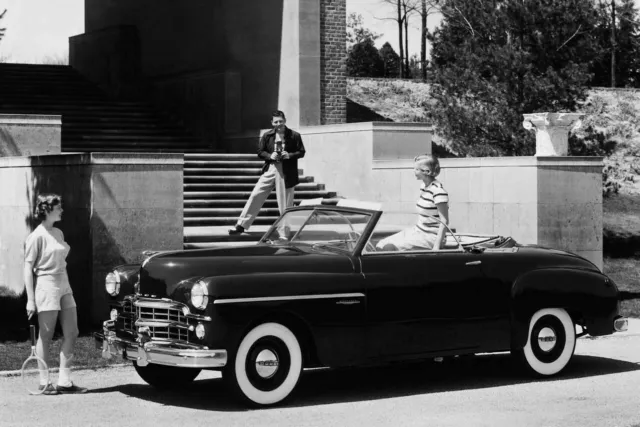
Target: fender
(590, 297)
(330, 309)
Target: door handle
(474, 263)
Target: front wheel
(165, 377)
(266, 366)
(550, 343)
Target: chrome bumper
(159, 353)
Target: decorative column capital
(552, 131)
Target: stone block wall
(29, 135)
(333, 73)
(115, 206)
(554, 202)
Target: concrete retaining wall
(29, 135)
(115, 206)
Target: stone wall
(549, 201)
(333, 73)
(29, 135)
(115, 206)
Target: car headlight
(200, 331)
(199, 295)
(112, 284)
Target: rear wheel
(266, 366)
(165, 377)
(550, 343)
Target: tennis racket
(35, 372)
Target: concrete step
(222, 157)
(72, 114)
(226, 212)
(227, 203)
(133, 149)
(244, 195)
(134, 138)
(223, 171)
(84, 126)
(230, 163)
(243, 187)
(228, 221)
(231, 179)
(175, 132)
(108, 106)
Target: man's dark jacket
(292, 145)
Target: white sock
(64, 376)
(43, 377)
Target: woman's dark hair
(45, 205)
(278, 113)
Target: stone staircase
(216, 186)
(90, 120)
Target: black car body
(325, 296)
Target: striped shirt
(430, 196)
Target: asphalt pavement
(601, 387)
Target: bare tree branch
(569, 39)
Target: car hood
(161, 274)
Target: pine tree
(495, 60)
(390, 60)
(364, 60)
(626, 48)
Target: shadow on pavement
(327, 386)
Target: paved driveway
(600, 388)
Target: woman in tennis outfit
(432, 207)
(48, 290)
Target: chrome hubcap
(547, 339)
(266, 364)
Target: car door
(424, 302)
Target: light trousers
(272, 178)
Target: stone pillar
(333, 42)
(299, 85)
(552, 131)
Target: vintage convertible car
(316, 292)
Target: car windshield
(322, 229)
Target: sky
(375, 16)
(37, 29)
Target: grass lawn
(13, 353)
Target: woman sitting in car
(432, 205)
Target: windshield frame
(364, 237)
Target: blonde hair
(431, 162)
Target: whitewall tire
(551, 341)
(266, 366)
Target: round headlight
(199, 295)
(112, 284)
(200, 331)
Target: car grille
(130, 313)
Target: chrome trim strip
(287, 298)
(160, 354)
(162, 324)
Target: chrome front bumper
(160, 353)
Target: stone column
(299, 86)
(552, 131)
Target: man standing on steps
(280, 148)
